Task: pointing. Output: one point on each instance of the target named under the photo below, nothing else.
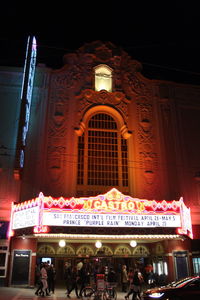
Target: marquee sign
(112, 209)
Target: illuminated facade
(110, 156)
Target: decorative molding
(159, 249)
(46, 250)
(123, 250)
(67, 250)
(85, 250)
(147, 153)
(141, 250)
(134, 85)
(55, 162)
(89, 98)
(104, 250)
(104, 109)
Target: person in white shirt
(44, 277)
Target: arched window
(103, 78)
(102, 156)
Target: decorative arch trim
(141, 250)
(103, 66)
(103, 109)
(68, 250)
(122, 250)
(107, 251)
(46, 249)
(85, 250)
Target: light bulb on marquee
(62, 243)
(133, 243)
(98, 244)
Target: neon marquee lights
(106, 203)
(112, 209)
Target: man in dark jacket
(67, 276)
(82, 275)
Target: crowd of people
(79, 275)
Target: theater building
(106, 161)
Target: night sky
(163, 35)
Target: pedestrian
(82, 278)
(37, 274)
(44, 278)
(96, 271)
(112, 281)
(43, 271)
(67, 276)
(112, 278)
(137, 282)
(130, 280)
(51, 273)
(79, 265)
(124, 278)
(74, 283)
(39, 281)
(151, 279)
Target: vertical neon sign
(27, 84)
(26, 96)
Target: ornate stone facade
(155, 126)
(150, 114)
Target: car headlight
(156, 295)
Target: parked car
(185, 289)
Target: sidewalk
(10, 293)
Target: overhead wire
(156, 165)
(128, 48)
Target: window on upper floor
(103, 78)
(102, 155)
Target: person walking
(124, 278)
(74, 282)
(68, 276)
(137, 282)
(39, 284)
(112, 278)
(51, 273)
(82, 275)
(44, 280)
(112, 281)
(130, 280)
